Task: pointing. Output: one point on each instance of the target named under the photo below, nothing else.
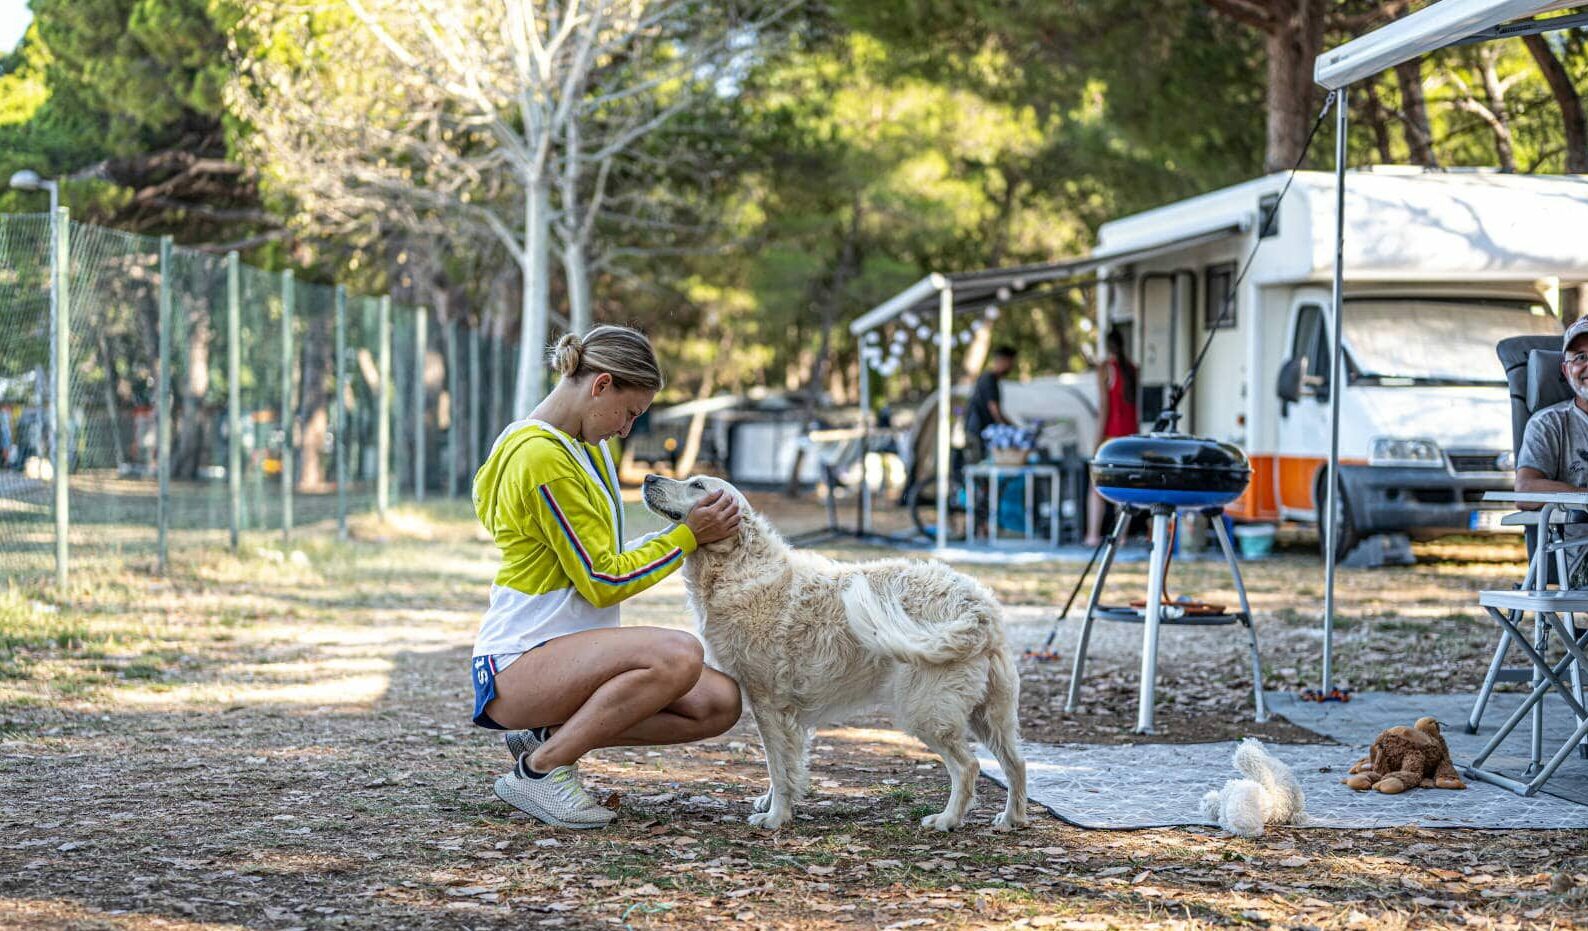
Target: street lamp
(29, 180)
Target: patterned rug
(1154, 785)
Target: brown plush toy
(1407, 757)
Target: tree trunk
(1293, 44)
(192, 416)
(1567, 98)
(535, 262)
(848, 265)
(1500, 121)
(1378, 121)
(1414, 113)
(576, 271)
(697, 423)
(314, 401)
(108, 361)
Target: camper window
(1311, 343)
(1220, 281)
(1406, 342)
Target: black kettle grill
(1172, 470)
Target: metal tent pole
(945, 315)
(863, 523)
(1331, 517)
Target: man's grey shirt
(1556, 444)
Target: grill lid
(1170, 469)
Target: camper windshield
(1417, 341)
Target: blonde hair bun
(566, 355)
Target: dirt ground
(278, 739)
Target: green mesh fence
(26, 529)
(113, 316)
(301, 378)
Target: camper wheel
(1347, 536)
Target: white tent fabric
(1449, 22)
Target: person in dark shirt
(986, 403)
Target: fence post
(383, 411)
(61, 359)
(289, 297)
(162, 409)
(498, 384)
(340, 412)
(421, 318)
(473, 445)
(454, 434)
(234, 396)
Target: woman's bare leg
(614, 687)
(1094, 517)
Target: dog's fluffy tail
(1286, 803)
(882, 627)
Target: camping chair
(1532, 371)
(837, 451)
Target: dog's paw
(1004, 822)
(762, 802)
(770, 820)
(942, 821)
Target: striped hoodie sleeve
(580, 532)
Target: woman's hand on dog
(715, 518)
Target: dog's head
(674, 499)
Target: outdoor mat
(1362, 718)
(1155, 785)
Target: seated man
(1554, 454)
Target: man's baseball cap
(1578, 328)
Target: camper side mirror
(1289, 387)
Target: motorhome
(1438, 267)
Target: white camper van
(1438, 267)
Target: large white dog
(810, 639)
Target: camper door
(1167, 302)
(1303, 422)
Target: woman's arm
(580, 533)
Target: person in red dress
(1116, 416)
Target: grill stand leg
(1110, 549)
(1246, 615)
(1153, 613)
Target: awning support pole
(863, 519)
(1331, 516)
(945, 315)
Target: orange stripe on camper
(1298, 477)
(1257, 501)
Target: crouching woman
(552, 666)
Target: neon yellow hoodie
(551, 503)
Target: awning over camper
(975, 291)
(1452, 22)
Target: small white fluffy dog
(1268, 795)
(810, 639)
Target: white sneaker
(557, 798)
